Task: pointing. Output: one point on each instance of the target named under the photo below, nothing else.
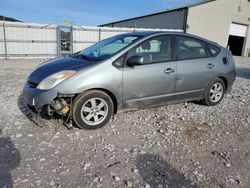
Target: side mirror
(135, 60)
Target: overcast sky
(83, 12)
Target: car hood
(56, 65)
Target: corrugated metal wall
(28, 40)
(173, 19)
(212, 20)
(23, 40)
(86, 36)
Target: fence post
(71, 40)
(5, 42)
(100, 37)
(58, 41)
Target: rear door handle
(210, 66)
(169, 71)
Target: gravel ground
(183, 145)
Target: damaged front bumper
(38, 98)
(51, 99)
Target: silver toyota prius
(128, 72)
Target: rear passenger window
(189, 48)
(213, 50)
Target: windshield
(108, 47)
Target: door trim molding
(150, 97)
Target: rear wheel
(92, 110)
(214, 93)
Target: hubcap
(216, 92)
(94, 111)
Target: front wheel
(214, 93)
(92, 110)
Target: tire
(92, 109)
(214, 93)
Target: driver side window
(154, 50)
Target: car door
(153, 82)
(195, 67)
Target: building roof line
(161, 12)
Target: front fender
(104, 76)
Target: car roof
(151, 33)
(141, 33)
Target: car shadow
(32, 115)
(243, 73)
(155, 171)
(9, 160)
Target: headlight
(55, 79)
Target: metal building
(223, 21)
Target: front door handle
(210, 66)
(169, 71)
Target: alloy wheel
(216, 92)
(94, 111)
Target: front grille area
(32, 84)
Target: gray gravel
(183, 145)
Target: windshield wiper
(77, 55)
(83, 57)
(73, 55)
